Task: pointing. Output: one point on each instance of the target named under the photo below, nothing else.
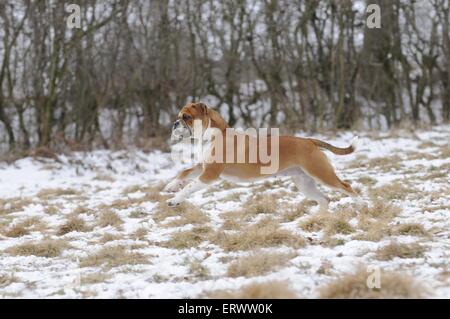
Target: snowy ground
(95, 225)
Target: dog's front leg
(181, 179)
(190, 188)
(210, 174)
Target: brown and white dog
(301, 158)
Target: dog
(300, 158)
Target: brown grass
(188, 238)
(164, 211)
(257, 263)
(45, 248)
(94, 278)
(152, 194)
(73, 224)
(354, 286)
(109, 237)
(198, 270)
(139, 234)
(261, 204)
(113, 256)
(189, 216)
(12, 205)
(290, 212)
(266, 290)
(49, 193)
(266, 233)
(411, 229)
(25, 227)
(393, 250)
(109, 218)
(394, 190)
(6, 280)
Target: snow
(167, 275)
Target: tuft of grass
(366, 180)
(189, 216)
(139, 234)
(315, 222)
(188, 238)
(12, 205)
(394, 190)
(25, 227)
(94, 278)
(257, 263)
(293, 211)
(46, 248)
(261, 204)
(411, 229)
(267, 290)
(197, 269)
(113, 256)
(49, 193)
(393, 250)
(266, 233)
(72, 224)
(16, 231)
(109, 237)
(338, 226)
(109, 218)
(354, 286)
(6, 280)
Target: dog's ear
(202, 107)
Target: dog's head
(184, 125)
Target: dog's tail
(337, 150)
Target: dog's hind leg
(320, 169)
(308, 187)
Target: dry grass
(383, 164)
(25, 227)
(261, 204)
(49, 193)
(411, 229)
(152, 194)
(315, 223)
(73, 224)
(257, 263)
(374, 220)
(45, 248)
(354, 286)
(366, 180)
(267, 290)
(393, 250)
(113, 256)
(6, 280)
(290, 212)
(109, 218)
(394, 190)
(266, 233)
(189, 216)
(94, 278)
(188, 238)
(139, 234)
(108, 237)
(198, 270)
(164, 211)
(12, 205)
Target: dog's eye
(187, 117)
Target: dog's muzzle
(180, 130)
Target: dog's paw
(174, 186)
(173, 202)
